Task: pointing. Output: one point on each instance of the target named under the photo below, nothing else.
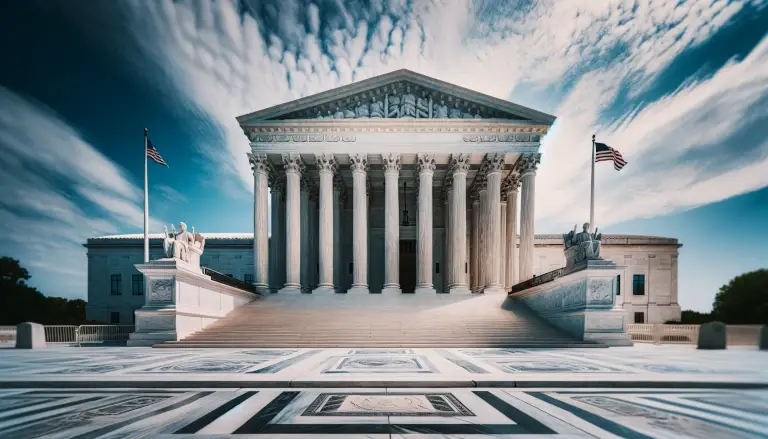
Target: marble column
(261, 169)
(458, 232)
(527, 197)
(482, 248)
(447, 245)
(338, 261)
(326, 164)
(305, 220)
(503, 244)
(511, 188)
(474, 245)
(391, 225)
(276, 244)
(359, 166)
(426, 166)
(493, 164)
(293, 168)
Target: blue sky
(680, 87)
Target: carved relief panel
(161, 290)
(400, 100)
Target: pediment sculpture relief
(399, 101)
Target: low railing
(103, 333)
(75, 335)
(228, 280)
(60, 334)
(538, 280)
(658, 333)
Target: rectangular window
(114, 318)
(248, 278)
(638, 285)
(466, 267)
(137, 284)
(618, 285)
(639, 317)
(114, 284)
(351, 267)
(437, 267)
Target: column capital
(259, 164)
(426, 163)
(358, 162)
(326, 163)
(529, 163)
(460, 163)
(277, 183)
(391, 163)
(493, 162)
(293, 163)
(510, 184)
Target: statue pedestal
(180, 300)
(582, 302)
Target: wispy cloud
(58, 190)
(225, 63)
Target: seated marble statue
(394, 107)
(440, 111)
(177, 245)
(408, 105)
(586, 244)
(376, 109)
(455, 112)
(422, 107)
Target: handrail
(537, 280)
(228, 280)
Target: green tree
(744, 300)
(20, 302)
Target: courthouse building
(398, 184)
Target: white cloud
(58, 190)
(225, 66)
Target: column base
(493, 289)
(324, 289)
(459, 289)
(290, 289)
(392, 290)
(262, 289)
(425, 290)
(359, 290)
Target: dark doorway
(408, 266)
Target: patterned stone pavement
(640, 392)
(383, 413)
(638, 366)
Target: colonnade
(485, 260)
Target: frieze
(161, 290)
(501, 138)
(400, 100)
(301, 138)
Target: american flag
(604, 153)
(153, 154)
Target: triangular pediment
(399, 94)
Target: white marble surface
(641, 365)
(382, 413)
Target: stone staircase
(373, 320)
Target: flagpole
(146, 202)
(592, 191)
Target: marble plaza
(638, 392)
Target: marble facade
(368, 140)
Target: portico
(398, 161)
